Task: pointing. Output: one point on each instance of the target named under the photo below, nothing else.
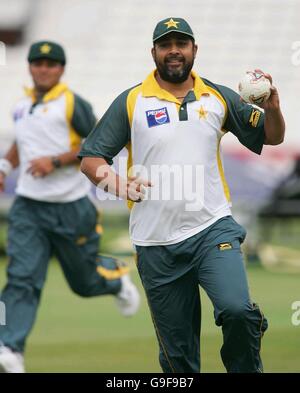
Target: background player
(52, 214)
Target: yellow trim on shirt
(75, 139)
(130, 204)
(223, 102)
(52, 94)
(221, 171)
(131, 102)
(200, 87)
(30, 93)
(151, 88)
(55, 92)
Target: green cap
(170, 25)
(46, 50)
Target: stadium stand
(108, 49)
(108, 46)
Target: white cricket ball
(254, 88)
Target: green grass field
(72, 334)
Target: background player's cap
(46, 50)
(170, 25)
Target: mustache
(174, 57)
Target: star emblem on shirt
(202, 112)
(172, 23)
(45, 49)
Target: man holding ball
(176, 118)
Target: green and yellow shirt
(52, 126)
(177, 147)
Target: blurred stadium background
(108, 50)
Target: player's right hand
(2, 181)
(136, 189)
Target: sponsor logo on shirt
(157, 117)
(18, 114)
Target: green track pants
(171, 276)
(37, 231)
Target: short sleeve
(245, 121)
(111, 133)
(83, 119)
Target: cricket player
(52, 214)
(175, 119)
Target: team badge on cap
(157, 117)
(45, 49)
(171, 23)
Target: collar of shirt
(52, 94)
(150, 88)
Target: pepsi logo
(161, 117)
(157, 117)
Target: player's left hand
(41, 167)
(273, 101)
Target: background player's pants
(38, 230)
(171, 276)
